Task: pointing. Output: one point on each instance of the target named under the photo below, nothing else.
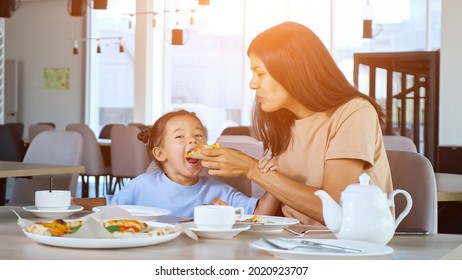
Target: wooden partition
(412, 94)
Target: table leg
(2, 191)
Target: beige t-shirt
(351, 131)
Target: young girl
(176, 185)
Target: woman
(321, 131)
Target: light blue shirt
(155, 189)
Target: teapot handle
(408, 207)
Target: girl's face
(181, 134)
(271, 95)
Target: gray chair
(105, 132)
(92, 159)
(414, 173)
(49, 147)
(129, 156)
(35, 129)
(399, 143)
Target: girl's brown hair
(296, 58)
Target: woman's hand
(227, 162)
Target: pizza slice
(54, 228)
(196, 153)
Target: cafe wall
(38, 36)
(451, 74)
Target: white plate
(101, 243)
(273, 223)
(369, 249)
(53, 214)
(217, 233)
(143, 213)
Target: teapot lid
(363, 186)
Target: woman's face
(271, 95)
(181, 134)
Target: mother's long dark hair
(295, 57)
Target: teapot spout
(332, 212)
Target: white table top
(15, 245)
(19, 169)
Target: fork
(303, 232)
(311, 244)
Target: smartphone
(411, 231)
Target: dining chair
(48, 123)
(253, 148)
(141, 126)
(399, 143)
(92, 159)
(19, 126)
(414, 173)
(129, 156)
(35, 129)
(105, 132)
(237, 130)
(11, 143)
(49, 147)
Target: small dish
(142, 213)
(217, 233)
(53, 214)
(272, 224)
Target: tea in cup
(216, 216)
(52, 200)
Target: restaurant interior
(108, 69)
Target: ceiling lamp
(100, 4)
(8, 7)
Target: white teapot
(364, 212)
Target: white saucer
(53, 214)
(369, 250)
(217, 233)
(272, 224)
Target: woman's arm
(268, 204)
(338, 174)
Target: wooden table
(14, 245)
(22, 169)
(449, 186)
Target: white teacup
(216, 216)
(54, 200)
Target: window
(110, 75)
(210, 74)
